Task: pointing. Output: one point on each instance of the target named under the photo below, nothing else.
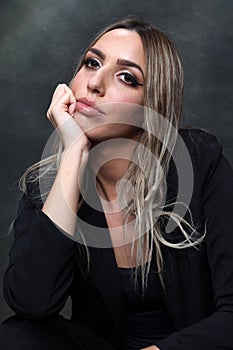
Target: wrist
(75, 151)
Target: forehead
(122, 43)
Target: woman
(134, 284)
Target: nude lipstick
(87, 107)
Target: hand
(152, 347)
(60, 114)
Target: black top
(44, 269)
(146, 318)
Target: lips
(88, 108)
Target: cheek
(125, 96)
(126, 111)
(77, 82)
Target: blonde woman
(98, 232)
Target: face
(110, 85)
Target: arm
(61, 204)
(214, 331)
(40, 269)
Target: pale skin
(108, 76)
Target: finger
(57, 94)
(60, 91)
(72, 108)
(64, 100)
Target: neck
(108, 176)
(109, 164)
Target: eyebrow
(121, 62)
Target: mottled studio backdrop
(40, 42)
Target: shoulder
(206, 153)
(203, 146)
(200, 138)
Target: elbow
(26, 311)
(26, 308)
(31, 313)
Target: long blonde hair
(163, 94)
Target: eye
(129, 79)
(92, 63)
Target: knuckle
(49, 113)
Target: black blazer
(46, 266)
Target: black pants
(55, 334)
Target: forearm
(40, 269)
(61, 205)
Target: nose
(96, 83)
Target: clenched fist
(61, 112)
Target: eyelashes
(126, 77)
(129, 79)
(92, 63)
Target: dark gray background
(40, 42)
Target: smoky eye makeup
(129, 79)
(91, 62)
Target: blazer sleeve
(216, 331)
(39, 274)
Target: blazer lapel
(104, 272)
(172, 292)
(103, 268)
